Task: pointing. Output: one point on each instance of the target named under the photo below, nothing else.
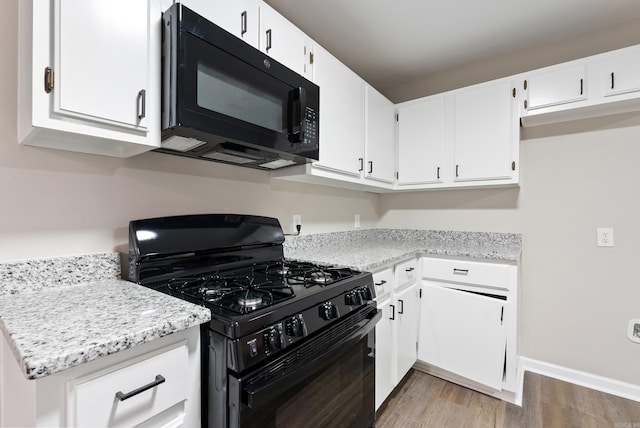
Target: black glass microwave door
(226, 96)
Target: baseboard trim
(588, 380)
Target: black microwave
(225, 101)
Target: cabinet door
(281, 40)
(421, 141)
(484, 130)
(463, 333)
(101, 61)
(622, 74)
(555, 87)
(406, 328)
(239, 17)
(384, 352)
(380, 137)
(341, 115)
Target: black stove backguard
(162, 248)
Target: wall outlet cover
(633, 331)
(604, 237)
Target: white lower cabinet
(468, 321)
(397, 331)
(156, 384)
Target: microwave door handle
(296, 130)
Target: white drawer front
(406, 273)
(465, 272)
(93, 401)
(383, 282)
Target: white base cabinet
(96, 393)
(468, 322)
(397, 332)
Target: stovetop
(246, 298)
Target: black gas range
(280, 330)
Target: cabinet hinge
(48, 79)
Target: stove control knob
(353, 298)
(328, 311)
(297, 327)
(366, 294)
(273, 340)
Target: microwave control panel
(310, 126)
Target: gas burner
(253, 298)
(320, 277)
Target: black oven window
(220, 92)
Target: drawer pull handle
(122, 396)
(381, 282)
(460, 271)
(410, 269)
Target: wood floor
(422, 400)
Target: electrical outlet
(297, 220)
(604, 236)
(356, 221)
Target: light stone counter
(62, 312)
(371, 249)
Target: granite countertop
(59, 313)
(371, 249)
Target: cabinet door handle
(122, 396)
(381, 282)
(501, 315)
(612, 81)
(460, 271)
(243, 23)
(393, 312)
(457, 171)
(438, 173)
(401, 311)
(581, 86)
(411, 269)
(142, 104)
(268, 39)
(370, 167)
(361, 160)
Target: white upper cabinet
(485, 132)
(564, 85)
(341, 118)
(621, 74)
(421, 141)
(89, 77)
(379, 137)
(239, 17)
(283, 41)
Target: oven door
(327, 381)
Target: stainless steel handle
(243, 23)
(460, 271)
(142, 104)
(401, 311)
(381, 282)
(122, 396)
(268, 39)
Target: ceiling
(388, 42)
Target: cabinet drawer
(383, 282)
(466, 272)
(93, 400)
(406, 273)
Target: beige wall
(576, 298)
(58, 203)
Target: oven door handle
(258, 394)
